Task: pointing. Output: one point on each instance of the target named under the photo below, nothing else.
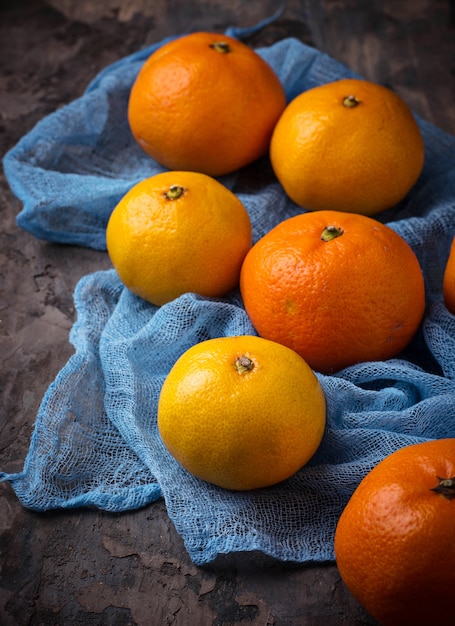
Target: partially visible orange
(349, 145)
(205, 102)
(394, 542)
(178, 232)
(241, 412)
(338, 288)
(448, 286)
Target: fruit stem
(221, 46)
(446, 487)
(174, 192)
(243, 364)
(331, 232)
(350, 102)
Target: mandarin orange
(205, 102)
(241, 412)
(178, 232)
(339, 288)
(394, 540)
(349, 145)
(448, 286)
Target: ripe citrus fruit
(350, 145)
(177, 232)
(338, 288)
(394, 542)
(205, 102)
(448, 286)
(241, 412)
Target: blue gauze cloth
(95, 441)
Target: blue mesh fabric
(95, 441)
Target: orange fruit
(205, 102)
(394, 542)
(177, 232)
(349, 145)
(448, 285)
(241, 412)
(338, 288)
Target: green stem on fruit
(445, 487)
(243, 364)
(174, 192)
(331, 232)
(221, 46)
(350, 102)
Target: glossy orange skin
(448, 286)
(360, 159)
(394, 541)
(359, 297)
(163, 248)
(195, 108)
(241, 430)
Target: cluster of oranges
(326, 289)
(333, 285)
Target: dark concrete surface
(91, 567)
